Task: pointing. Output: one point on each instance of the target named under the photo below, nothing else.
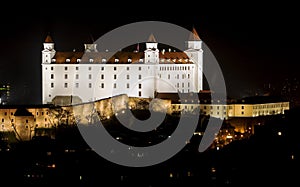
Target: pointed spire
(194, 35)
(151, 38)
(92, 39)
(48, 39)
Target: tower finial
(194, 35)
(151, 38)
(48, 38)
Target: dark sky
(255, 44)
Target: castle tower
(151, 52)
(195, 53)
(48, 52)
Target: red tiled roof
(122, 56)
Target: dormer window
(141, 60)
(78, 60)
(91, 60)
(116, 60)
(129, 60)
(103, 60)
(68, 60)
(168, 60)
(53, 60)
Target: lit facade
(91, 75)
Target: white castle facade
(92, 75)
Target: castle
(92, 75)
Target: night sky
(254, 44)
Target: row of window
(90, 68)
(90, 76)
(90, 85)
(183, 76)
(37, 113)
(12, 120)
(271, 106)
(182, 85)
(103, 60)
(174, 68)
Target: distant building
(247, 107)
(5, 94)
